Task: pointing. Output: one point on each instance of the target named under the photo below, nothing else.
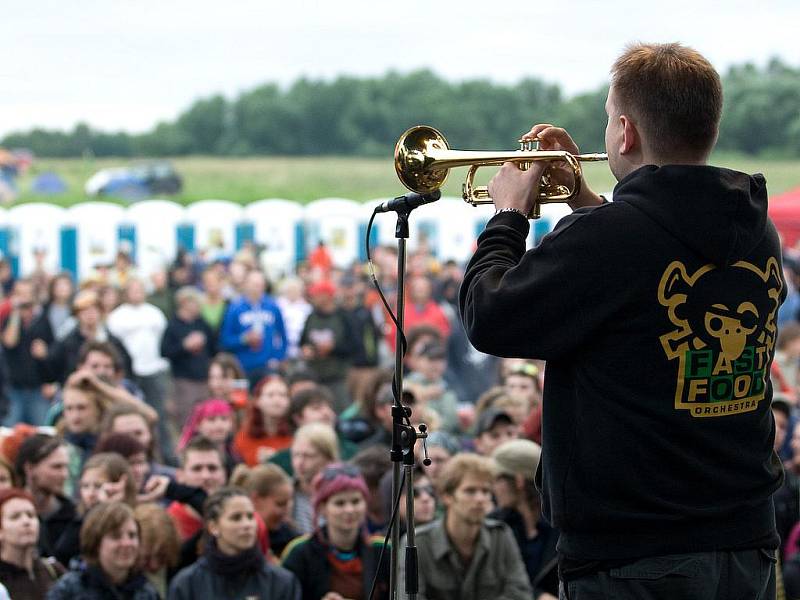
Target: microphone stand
(404, 436)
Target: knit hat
(210, 408)
(517, 457)
(336, 478)
(323, 286)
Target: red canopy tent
(784, 210)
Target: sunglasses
(330, 473)
(528, 369)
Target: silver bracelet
(510, 209)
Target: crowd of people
(212, 431)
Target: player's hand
(517, 189)
(556, 138)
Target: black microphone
(408, 202)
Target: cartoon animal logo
(724, 334)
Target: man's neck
(463, 536)
(45, 502)
(20, 556)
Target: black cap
(489, 418)
(433, 351)
(781, 402)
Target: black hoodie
(656, 314)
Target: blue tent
(48, 183)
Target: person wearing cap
(428, 385)
(519, 507)
(464, 555)
(62, 356)
(338, 559)
(493, 427)
(188, 344)
(327, 342)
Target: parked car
(136, 182)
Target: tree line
(364, 117)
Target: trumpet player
(656, 314)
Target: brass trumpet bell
(423, 159)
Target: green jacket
(496, 571)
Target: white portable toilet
(277, 226)
(451, 227)
(338, 222)
(34, 227)
(215, 228)
(151, 227)
(90, 236)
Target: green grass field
(244, 180)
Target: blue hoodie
(240, 318)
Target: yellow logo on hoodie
(724, 335)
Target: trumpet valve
(529, 145)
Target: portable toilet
(213, 225)
(90, 236)
(278, 228)
(151, 227)
(339, 223)
(35, 228)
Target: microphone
(408, 202)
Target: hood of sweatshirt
(721, 216)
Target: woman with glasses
(339, 560)
(232, 566)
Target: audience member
(159, 546)
(23, 573)
(327, 342)
(188, 345)
(213, 419)
(253, 329)
(338, 559)
(109, 542)
(314, 446)
(27, 403)
(232, 565)
(295, 310)
(41, 467)
(266, 428)
(202, 466)
(270, 490)
(140, 326)
(464, 556)
(519, 507)
(493, 427)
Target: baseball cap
(489, 418)
(517, 457)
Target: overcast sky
(126, 64)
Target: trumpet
(423, 159)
